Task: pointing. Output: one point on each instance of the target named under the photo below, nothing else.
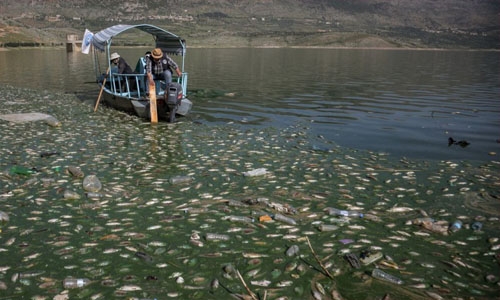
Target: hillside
(470, 24)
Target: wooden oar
(100, 92)
(152, 99)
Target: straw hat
(114, 56)
(157, 53)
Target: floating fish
(130, 288)
(400, 209)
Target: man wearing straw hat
(160, 65)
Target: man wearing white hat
(122, 68)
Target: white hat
(114, 56)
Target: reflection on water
(407, 103)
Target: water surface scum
(176, 217)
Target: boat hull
(141, 108)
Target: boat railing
(132, 86)
(126, 85)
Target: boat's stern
(142, 108)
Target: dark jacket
(123, 67)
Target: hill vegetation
(471, 24)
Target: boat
(127, 92)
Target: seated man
(122, 67)
(160, 65)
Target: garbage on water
(379, 274)
(4, 217)
(21, 170)
(92, 184)
(71, 283)
(71, 195)
(284, 219)
(455, 226)
(140, 234)
(180, 179)
(255, 172)
(342, 212)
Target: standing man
(160, 65)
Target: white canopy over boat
(167, 41)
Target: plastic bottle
(4, 217)
(92, 195)
(242, 219)
(379, 274)
(476, 226)
(293, 250)
(370, 257)
(284, 219)
(20, 170)
(91, 184)
(71, 195)
(345, 213)
(216, 237)
(255, 172)
(73, 283)
(327, 227)
(180, 179)
(455, 226)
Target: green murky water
(145, 237)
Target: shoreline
(3, 49)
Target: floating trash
(4, 217)
(194, 238)
(92, 184)
(255, 172)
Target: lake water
(329, 128)
(403, 102)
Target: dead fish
(291, 266)
(317, 295)
(434, 295)
(110, 251)
(320, 288)
(336, 295)
(130, 288)
(30, 257)
(10, 241)
(293, 250)
(261, 283)
(4, 269)
(428, 265)
(254, 255)
(284, 283)
(143, 256)
(397, 209)
(214, 284)
(252, 273)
